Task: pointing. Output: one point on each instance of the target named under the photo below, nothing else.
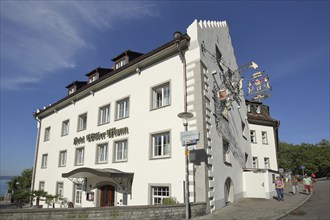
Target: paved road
(317, 207)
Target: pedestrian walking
(307, 181)
(279, 186)
(294, 182)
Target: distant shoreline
(6, 177)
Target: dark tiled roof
(100, 70)
(184, 37)
(79, 84)
(131, 54)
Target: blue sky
(46, 45)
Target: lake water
(3, 185)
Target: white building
(117, 135)
(264, 144)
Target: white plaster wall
(261, 150)
(258, 184)
(141, 123)
(217, 33)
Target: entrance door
(229, 191)
(107, 195)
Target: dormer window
(120, 63)
(258, 109)
(124, 58)
(248, 107)
(74, 86)
(72, 90)
(92, 78)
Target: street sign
(281, 170)
(302, 167)
(189, 137)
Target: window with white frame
(93, 78)
(47, 134)
(44, 161)
(65, 127)
(161, 145)
(253, 136)
(78, 194)
(42, 185)
(161, 96)
(62, 158)
(158, 193)
(79, 160)
(59, 188)
(248, 108)
(264, 137)
(121, 150)
(255, 162)
(72, 90)
(120, 63)
(104, 115)
(258, 109)
(267, 165)
(226, 152)
(82, 122)
(122, 110)
(102, 153)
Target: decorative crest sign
(258, 86)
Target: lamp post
(185, 116)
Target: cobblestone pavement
(259, 209)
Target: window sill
(161, 157)
(227, 163)
(156, 108)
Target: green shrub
(170, 201)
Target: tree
(20, 187)
(314, 157)
(38, 194)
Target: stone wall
(118, 212)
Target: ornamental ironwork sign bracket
(81, 182)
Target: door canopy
(79, 176)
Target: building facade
(115, 138)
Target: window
(248, 107)
(244, 130)
(258, 109)
(65, 127)
(161, 96)
(122, 108)
(47, 134)
(102, 153)
(59, 189)
(159, 193)
(78, 194)
(104, 115)
(255, 162)
(62, 159)
(226, 152)
(253, 136)
(121, 150)
(267, 165)
(72, 90)
(120, 63)
(161, 145)
(93, 78)
(44, 161)
(82, 122)
(264, 137)
(42, 185)
(80, 156)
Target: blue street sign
(302, 167)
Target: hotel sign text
(110, 133)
